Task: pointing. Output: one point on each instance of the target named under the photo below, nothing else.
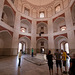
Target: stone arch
(60, 21)
(26, 5)
(26, 24)
(40, 10)
(44, 25)
(49, 11)
(39, 46)
(8, 15)
(27, 43)
(58, 40)
(56, 3)
(5, 43)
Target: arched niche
(49, 11)
(8, 16)
(34, 11)
(42, 27)
(42, 43)
(61, 40)
(26, 24)
(73, 13)
(25, 40)
(41, 9)
(5, 43)
(58, 23)
(57, 3)
(28, 6)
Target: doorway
(42, 50)
(23, 47)
(20, 47)
(65, 46)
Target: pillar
(50, 36)
(33, 36)
(70, 30)
(16, 34)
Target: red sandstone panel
(61, 35)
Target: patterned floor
(35, 61)
(9, 66)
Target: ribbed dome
(39, 2)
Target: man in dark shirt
(50, 62)
(58, 60)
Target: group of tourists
(60, 57)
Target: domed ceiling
(39, 2)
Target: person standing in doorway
(32, 52)
(50, 62)
(19, 56)
(58, 60)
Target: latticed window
(42, 43)
(23, 29)
(57, 8)
(62, 28)
(42, 30)
(27, 11)
(42, 14)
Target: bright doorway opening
(65, 46)
(23, 47)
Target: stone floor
(9, 66)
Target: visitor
(19, 56)
(50, 62)
(58, 60)
(64, 58)
(72, 65)
(32, 52)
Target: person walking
(19, 56)
(50, 62)
(58, 60)
(32, 52)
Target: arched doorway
(61, 42)
(42, 45)
(64, 46)
(42, 50)
(5, 43)
(24, 44)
